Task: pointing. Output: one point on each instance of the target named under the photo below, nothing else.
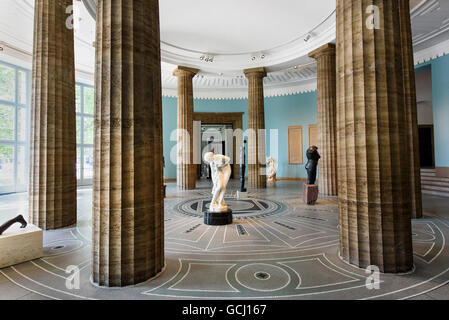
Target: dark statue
(7, 225)
(313, 156)
(242, 167)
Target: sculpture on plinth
(313, 157)
(310, 190)
(271, 171)
(218, 213)
(8, 224)
(242, 168)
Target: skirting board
(442, 172)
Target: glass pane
(6, 166)
(78, 163)
(78, 129)
(22, 79)
(89, 100)
(21, 165)
(6, 122)
(7, 83)
(88, 164)
(22, 124)
(78, 99)
(88, 130)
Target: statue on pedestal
(8, 224)
(271, 171)
(242, 167)
(218, 213)
(313, 156)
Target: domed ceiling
(222, 38)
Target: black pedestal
(218, 218)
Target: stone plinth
(218, 218)
(20, 245)
(310, 193)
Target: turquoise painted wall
(440, 96)
(280, 112)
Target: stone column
(327, 118)
(373, 163)
(408, 67)
(256, 126)
(186, 169)
(128, 208)
(52, 186)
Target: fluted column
(373, 163)
(128, 208)
(256, 126)
(186, 169)
(327, 118)
(52, 185)
(408, 67)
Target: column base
(218, 218)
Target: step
(438, 179)
(435, 188)
(428, 174)
(428, 170)
(435, 183)
(436, 193)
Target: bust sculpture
(271, 171)
(313, 157)
(220, 172)
(8, 224)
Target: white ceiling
(237, 34)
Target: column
(52, 185)
(128, 208)
(186, 169)
(373, 163)
(408, 67)
(327, 118)
(256, 126)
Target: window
(14, 124)
(85, 106)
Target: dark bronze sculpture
(313, 156)
(7, 225)
(242, 167)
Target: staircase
(433, 185)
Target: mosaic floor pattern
(277, 247)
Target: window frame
(16, 143)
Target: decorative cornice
(431, 53)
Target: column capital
(327, 49)
(255, 72)
(181, 71)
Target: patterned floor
(277, 247)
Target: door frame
(431, 126)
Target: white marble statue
(221, 172)
(271, 171)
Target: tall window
(85, 106)
(14, 128)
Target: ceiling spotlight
(253, 58)
(307, 37)
(220, 74)
(1, 48)
(262, 56)
(202, 58)
(295, 67)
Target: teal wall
(280, 112)
(440, 97)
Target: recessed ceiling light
(262, 56)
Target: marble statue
(242, 167)
(8, 224)
(271, 171)
(313, 156)
(221, 172)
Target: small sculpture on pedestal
(8, 224)
(242, 192)
(271, 171)
(218, 213)
(310, 190)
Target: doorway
(426, 146)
